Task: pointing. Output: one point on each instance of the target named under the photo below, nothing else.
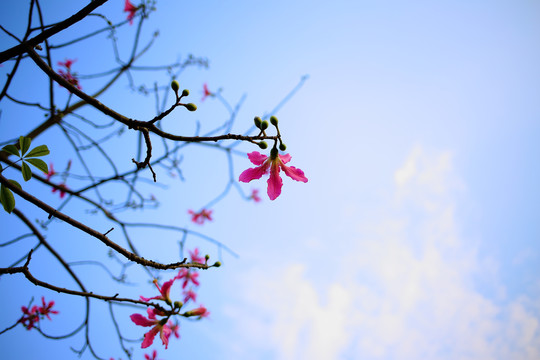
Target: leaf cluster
(25, 157)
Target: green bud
(185, 92)
(207, 256)
(178, 304)
(282, 147)
(273, 120)
(263, 145)
(264, 125)
(257, 121)
(191, 107)
(217, 264)
(175, 85)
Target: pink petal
(256, 157)
(294, 173)
(166, 288)
(285, 158)
(149, 337)
(148, 299)
(164, 334)
(140, 320)
(253, 173)
(274, 182)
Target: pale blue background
(417, 235)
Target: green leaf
(15, 183)
(26, 172)
(40, 164)
(40, 150)
(11, 149)
(24, 143)
(7, 199)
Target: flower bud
(282, 147)
(185, 92)
(191, 107)
(207, 256)
(273, 120)
(263, 145)
(257, 120)
(178, 304)
(264, 125)
(175, 85)
(217, 264)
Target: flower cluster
(201, 216)
(32, 316)
(164, 325)
(67, 74)
(61, 188)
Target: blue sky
(417, 235)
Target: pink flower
(154, 356)
(201, 311)
(255, 195)
(131, 9)
(195, 258)
(45, 310)
(188, 276)
(163, 290)
(201, 216)
(271, 164)
(62, 189)
(190, 294)
(158, 326)
(67, 64)
(206, 92)
(51, 172)
(175, 327)
(30, 317)
(69, 76)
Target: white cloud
(405, 290)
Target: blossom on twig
(163, 290)
(175, 327)
(51, 172)
(201, 216)
(195, 258)
(206, 92)
(62, 190)
(131, 10)
(31, 316)
(45, 310)
(190, 295)
(67, 74)
(255, 195)
(272, 165)
(157, 326)
(154, 356)
(188, 276)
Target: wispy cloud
(407, 288)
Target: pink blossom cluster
(67, 74)
(158, 318)
(61, 188)
(32, 316)
(201, 216)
